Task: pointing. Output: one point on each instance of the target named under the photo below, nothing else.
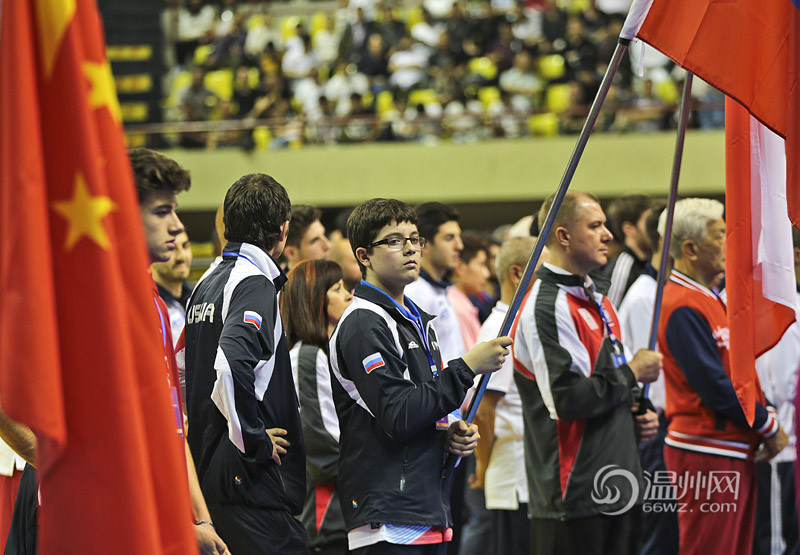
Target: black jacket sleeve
(400, 406)
(242, 345)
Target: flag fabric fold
(81, 360)
(760, 280)
(750, 50)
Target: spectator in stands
(627, 216)
(503, 50)
(312, 301)
(306, 239)
(521, 82)
(170, 277)
(500, 455)
(390, 28)
(373, 62)
(196, 100)
(353, 44)
(427, 31)
(343, 84)
(299, 63)
(195, 24)
(407, 65)
(554, 24)
(244, 95)
(325, 42)
(260, 34)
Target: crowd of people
(320, 377)
(445, 69)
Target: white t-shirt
(434, 301)
(635, 315)
(506, 484)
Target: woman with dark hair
(312, 301)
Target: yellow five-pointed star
(54, 16)
(102, 91)
(84, 214)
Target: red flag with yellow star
(81, 360)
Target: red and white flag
(750, 50)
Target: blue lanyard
(618, 352)
(411, 313)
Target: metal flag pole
(673, 194)
(544, 230)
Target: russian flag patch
(373, 361)
(252, 317)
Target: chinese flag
(81, 355)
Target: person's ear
(627, 228)
(515, 274)
(562, 236)
(363, 257)
(290, 252)
(689, 249)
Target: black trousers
(776, 509)
(249, 530)
(383, 548)
(593, 535)
(511, 531)
(24, 525)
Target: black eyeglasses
(397, 243)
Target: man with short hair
(395, 395)
(576, 385)
(306, 240)
(627, 216)
(342, 254)
(170, 277)
(244, 423)
(500, 455)
(708, 431)
(438, 223)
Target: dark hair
(626, 209)
(472, 246)
(255, 208)
(304, 302)
(368, 218)
(795, 237)
(431, 216)
(154, 172)
(651, 223)
(303, 216)
(567, 213)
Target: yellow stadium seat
(201, 54)
(578, 6)
(421, 96)
(368, 99)
(488, 96)
(543, 125)
(253, 77)
(484, 67)
(220, 82)
(551, 66)
(261, 137)
(413, 16)
(181, 81)
(384, 103)
(667, 91)
(317, 23)
(557, 98)
(288, 26)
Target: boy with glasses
(393, 394)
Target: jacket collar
(186, 292)
(441, 284)
(575, 284)
(259, 258)
(371, 294)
